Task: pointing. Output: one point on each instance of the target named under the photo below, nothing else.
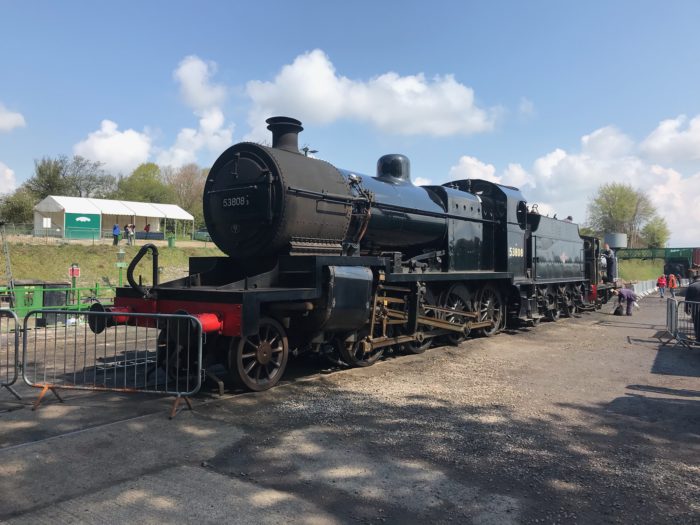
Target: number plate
(238, 201)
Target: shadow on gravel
(676, 360)
(667, 391)
(427, 459)
(419, 458)
(682, 413)
(628, 324)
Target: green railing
(654, 253)
(29, 297)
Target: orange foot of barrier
(43, 393)
(176, 404)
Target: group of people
(129, 233)
(672, 282)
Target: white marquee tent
(86, 218)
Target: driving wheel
(458, 299)
(491, 308)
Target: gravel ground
(587, 420)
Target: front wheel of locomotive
(489, 302)
(258, 362)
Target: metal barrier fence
(643, 288)
(671, 317)
(688, 323)
(683, 322)
(9, 350)
(118, 352)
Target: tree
(587, 231)
(145, 185)
(86, 178)
(620, 208)
(76, 177)
(18, 207)
(188, 184)
(656, 233)
(49, 178)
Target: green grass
(51, 262)
(640, 270)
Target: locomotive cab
(505, 223)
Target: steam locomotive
(322, 259)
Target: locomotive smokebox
(264, 201)
(285, 133)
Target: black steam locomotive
(327, 260)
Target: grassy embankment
(97, 263)
(640, 270)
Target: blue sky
(555, 97)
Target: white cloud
(421, 181)
(10, 120)
(8, 182)
(607, 143)
(473, 168)
(205, 98)
(516, 175)
(310, 89)
(193, 75)
(121, 151)
(211, 135)
(676, 199)
(673, 141)
(562, 182)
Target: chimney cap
(276, 121)
(285, 132)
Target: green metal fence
(654, 253)
(29, 297)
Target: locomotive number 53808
(231, 202)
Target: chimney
(285, 133)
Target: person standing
(609, 257)
(672, 284)
(692, 305)
(661, 283)
(628, 296)
(132, 234)
(116, 231)
(147, 229)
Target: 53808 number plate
(235, 202)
